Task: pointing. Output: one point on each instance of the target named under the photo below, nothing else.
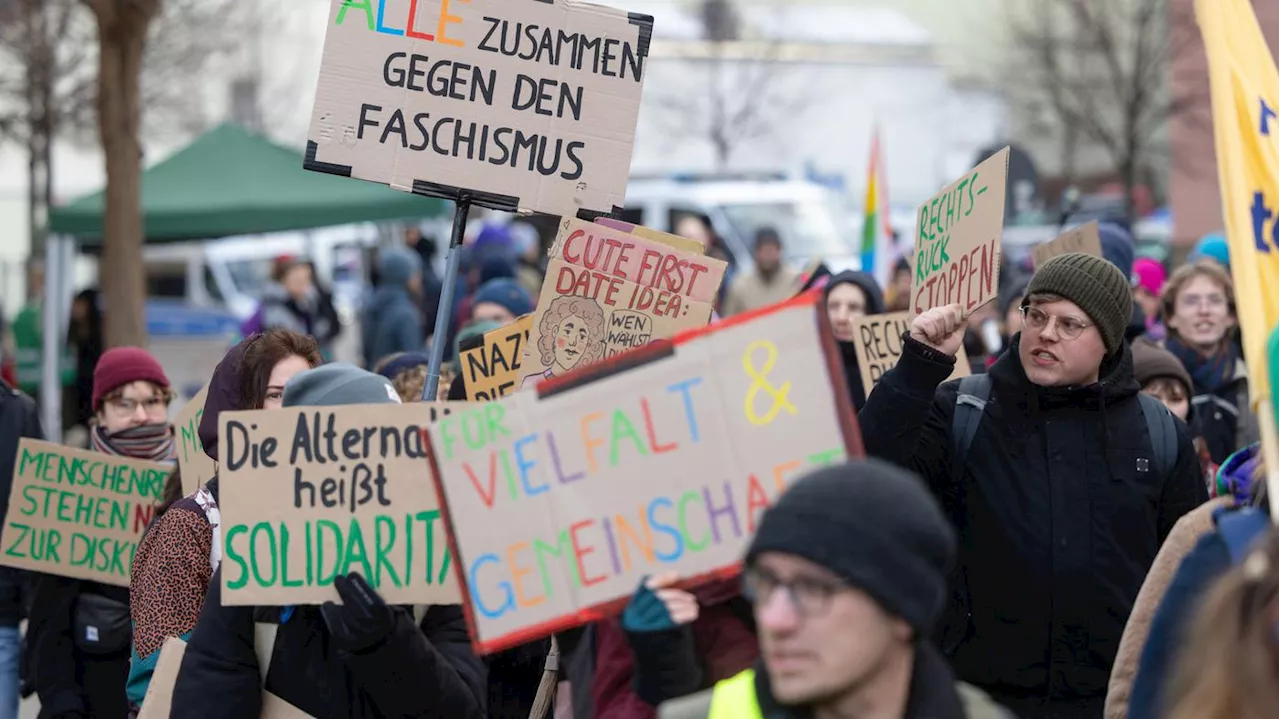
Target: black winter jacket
(1058, 516)
(18, 418)
(427, 673)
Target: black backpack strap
(971, 403)
(1163, 433)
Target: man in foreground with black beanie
(1060, 480)
(847, 576)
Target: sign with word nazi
(308, 493)
(607, 291)
(877, 340)
(526, 105)
(1084, 238)
(76, 513)
(958, 240)
(491, 366)
(558, 500)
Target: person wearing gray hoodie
(391, 322)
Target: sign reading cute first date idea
(957, 244)
(526, 105)
(308, 493)
(79, 514)
(560, 499)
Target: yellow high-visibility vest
(735, 698)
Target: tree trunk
(122, 32)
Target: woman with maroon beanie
(80, 628)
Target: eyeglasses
(1214, 301)
(153, 405)
(810, 597)
(1069, 327)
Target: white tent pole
(51, 342)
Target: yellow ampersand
(761, 383)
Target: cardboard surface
(877, 340)
(957, 245)
(559, 500)
(1084, 238)
(347, 492)
(632, 257)
(492, 370)
(586, 316)
(76, 513)
(527, 106)
(158, 701)
(607, 291)
(196, 466)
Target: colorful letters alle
(79, 514)
(308, 493)
(197, 467)
(560, 499)
(527, 105)
(608, 291)
(957, 244)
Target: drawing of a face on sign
(571, 333)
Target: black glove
(363, 620)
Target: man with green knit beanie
(1061, 479)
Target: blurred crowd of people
(1038, 539)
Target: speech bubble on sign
(524, 106)
(957, 246)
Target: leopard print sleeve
(170, 576)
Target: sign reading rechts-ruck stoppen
(957, 244)
(76, 513)
(559, 500)
(308, 493)
(524, 105)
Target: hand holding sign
(942, 328)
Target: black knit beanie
(1094, 284)
(873, 525)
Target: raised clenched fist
(942, 328)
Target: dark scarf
(1208, 374)
(852, 374)
(151, 442)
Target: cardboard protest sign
(559, 500)
(79, 514)
(492, 368)
(585, 316)
(196, 466)
(877, 340)
(607, 291)
(614, 253)
(527, 106)
(159, 697)
(1084, 239)
(308, 493)
(958, 240)
(684, 244)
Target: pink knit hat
(120, 366)
(1149, 275)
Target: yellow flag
(1244, 82)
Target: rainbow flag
(877, 239)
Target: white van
(803, 213)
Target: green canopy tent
(227, 182)
(232, 182)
